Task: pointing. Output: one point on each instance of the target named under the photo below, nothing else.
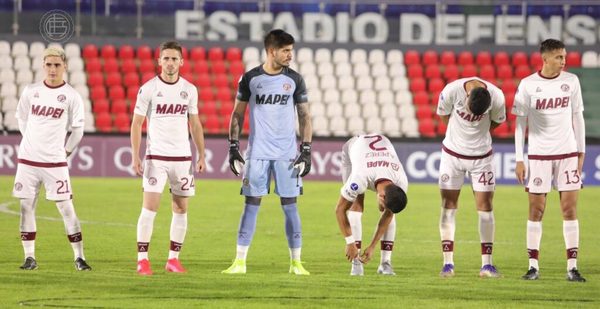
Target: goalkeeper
(274, 94)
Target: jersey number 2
(378, 139)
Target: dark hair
(550, 45)
(395, 198)
(171, 45)
(479, 100)
(278, 38)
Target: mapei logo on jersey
(61, 98)
(353, 186)
(287, 87)
(550, 103)
(46, 111)
(280, 99)
(469, 117)
(183, 95)
(171, 109)
(564, 87)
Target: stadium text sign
(374, 28)
(111, 157)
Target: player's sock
(355, 219)
(241, 252)
(144, 232)
(447, 230)
(293, 226)
(72, 227)
(247, 225)
(178, 230)
(534, 238)
(387, 241)
(486, 236)
(571, 235)
(295, 253)
(28, 226)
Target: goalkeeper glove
(236, 162)
(302, 163)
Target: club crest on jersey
(564, 87)
(183, 95)
(287, 87)
(61, 98)
(18, 186)
(537, 181)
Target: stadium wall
(110, 156)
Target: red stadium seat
(212, 124)
(468, 71)
(505, 72)
(451, 73)
(206, 94)
(523, 71)
(417, 84)
(132, 94)
(122, 122)
(535, 60)
(118, 106)
(103, 122)
(100, 106)
(436, 85)
(93, 65)
(465, 58)
(126, 52)
(483, 58)
(427, 127)
(186, 68)
(185, 54)
(411, 57)
(113, 79)
(447, 58)
(98, 93)
(509, 99)
(128, 66)
(430, 57)
(421, 98)
(221, 80)
(202, 81)
(226, 109)
(433, 71)
(218, 67)
(147, 66)
(144, 52)
(116, 93)
(110, 65)
(207, 108)
(519, 58)
(435, 98)
(200, 67)
(415, 71)
(501, 58)
(233, 54)
(236, 68)
(487, 72)
(573, 59)
(502, 131)
(131, 80)
(108, 51)
(224, 94)
(424, 112)
(90, 51)
(198, 53)
(235, 79)
(95, 79)
(441, 128)
(147, 76)
(508, 86)
(216, 54)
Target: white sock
(387, 241)
(72, 227)
(295, 253)
(355, 219)
(178, 230)
(241, 252)
(571, 235)
(28, 226)
(486, 235)
(144, 232)
(534, 238)
(447, 230)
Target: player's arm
(445, 103)
(76, 115)
(445, 119)
(519, 146)
(579, 130)
(384, 221)
(235, 129)
(303, 162)
(342, 207)
(197, 133)
(136, 140)
(73, 140)
(23, 111)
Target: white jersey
(549, 105)
(373, 159)
(467, 134)
(48, 112)
(166, 105)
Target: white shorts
(454, 167)
(55, 177)
(561, 174)
(179, 171)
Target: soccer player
(471, 107)
(274, 93)
(370, 162)
(45, 111)
(550, 105)
(169, 103)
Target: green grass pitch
(109, 209)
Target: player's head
(170, 58)
(479, 101)
(395, 198)
(54, 64)
(279, 45)
(554, 54)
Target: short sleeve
(576, 97)
(144, 97)
(243, 93)
(353, 187)
(77, 114)
(498, 112)
(521, 105)
(446, 100)
(193, 104)
(300, 94)
(23, 106)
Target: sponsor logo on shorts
(18, 186)
(564, 87)
(61, 98)
(444, 177)
(353, 186)
(183, 95)
(537, 181)
(152, 181)
(246, 182)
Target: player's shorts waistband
(165, 158)
(552, 157)
(42, 164)
(460, 156)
